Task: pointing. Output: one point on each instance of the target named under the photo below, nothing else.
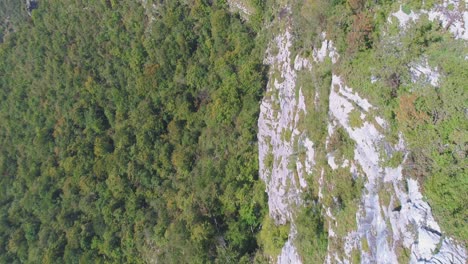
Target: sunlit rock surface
(406, 220)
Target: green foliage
(346, 196)
(448, 195)
(438, 146)
(406, 9)
(355, 120)
(395, 160)
(272, 237)
(310, 19)
(269, 159)
(312, 237)
(365, 245)
(404, 256)
(126, 139)
(341, 145)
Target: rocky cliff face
(391, 215)
(280, 139)
(406, 220)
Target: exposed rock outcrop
(405, 221)
(279, 135)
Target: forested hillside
(234, 131)
(130, 138)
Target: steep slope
(280, 139)
(384, 217)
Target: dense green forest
(129, 138)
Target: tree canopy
(129, 137)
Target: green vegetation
(406, 9)
(355, 256)
(312, 236)
(126, 139)
(341, 145)
(385, 195)
(272, 237)
(344, 200)
(286, 134)
(355, 120)
(394, 160)
(438, 135)
(365, 245)
(404, 256)
(269, 159)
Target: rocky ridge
(406, 220)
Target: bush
(312, 238)
(272, 237)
